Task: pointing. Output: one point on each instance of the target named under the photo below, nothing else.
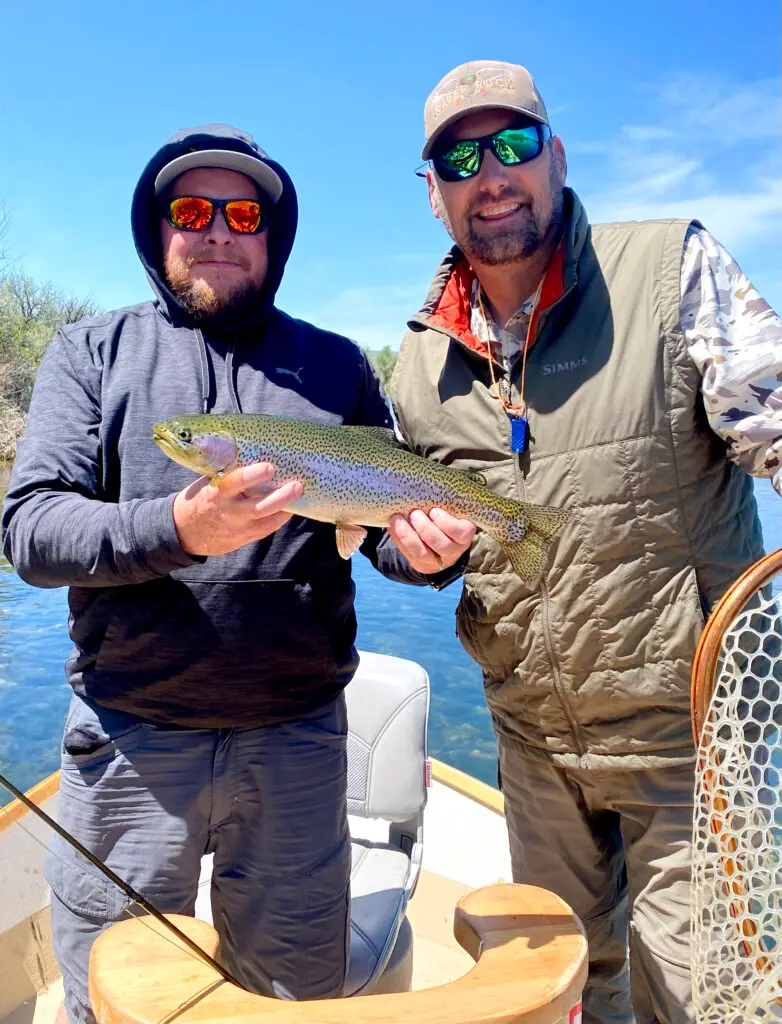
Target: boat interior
(430, 896)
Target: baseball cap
(475, 85)
(263, 175)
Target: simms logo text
(568, 364)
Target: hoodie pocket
(227, 635)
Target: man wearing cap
(213, 633)
(629, 373)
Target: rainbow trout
(356, 477)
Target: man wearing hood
(213, 632)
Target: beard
(200, 297)
(517, 243)
(502, 246)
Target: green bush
(31, 313)
(384, 362)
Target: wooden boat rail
(531, 967)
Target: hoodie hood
(145, 223)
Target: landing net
(737, 832)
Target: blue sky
(665, 109)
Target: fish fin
(382, 434)
(546, 521)
(476, 475)
(542, 526)
(526, 556)
(349, 538)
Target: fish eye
(184, 434)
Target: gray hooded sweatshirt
(251, 638)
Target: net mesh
(737, 836)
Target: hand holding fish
(431, 542)
(215, 520)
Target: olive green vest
(592, 664)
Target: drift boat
(430, 895)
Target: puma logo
(292, 373)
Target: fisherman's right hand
(215, 520)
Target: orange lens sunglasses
(196, 213)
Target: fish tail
(528, 533)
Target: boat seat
(388, 708)
(378, 900)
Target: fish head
(199, 443)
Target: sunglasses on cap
(462, 159)
(196, 213)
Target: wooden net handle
(704, 666)
(531, 967)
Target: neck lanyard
(517, 414)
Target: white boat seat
(388, 708)
(378, 900)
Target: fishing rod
(123, 885)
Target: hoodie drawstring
(230, 379)
(206, 374)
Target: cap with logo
(476, 85)
(228, 159)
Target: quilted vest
(591, 665)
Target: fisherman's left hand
(431, 542)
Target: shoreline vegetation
(31, 313)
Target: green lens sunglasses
(511, 146)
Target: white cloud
(735, 218)
(723, 110)
(720, 161)
(646, 132)
(560, 108)
(659, 174)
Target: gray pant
(616, 846)
(269, 803)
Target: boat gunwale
(39, 794)
(468, 786)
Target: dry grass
(12, 423)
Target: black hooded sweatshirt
(254, 637)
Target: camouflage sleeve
(735, 340)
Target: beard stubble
(199, 296)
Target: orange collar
(454, 305)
